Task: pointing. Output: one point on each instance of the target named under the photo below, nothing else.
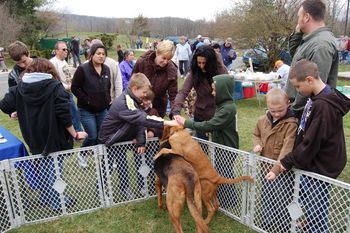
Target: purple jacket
(126, 70)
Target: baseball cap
(199, 36)
(278, 63)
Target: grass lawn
(144, 216)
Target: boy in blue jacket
(125, 121)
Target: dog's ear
(166, 133)
(175, 129)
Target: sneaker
(82, 160)
(128, 194)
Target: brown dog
(183, 144)
(181, 182)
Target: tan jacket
(278, 141)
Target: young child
(151, 133)
(274, 137)
(275, 131)
(223, 128)
(320, 144)
(126, 121)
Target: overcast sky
(132, 8)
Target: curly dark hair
(211, 67)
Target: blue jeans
(75, 114)
(46, 178)
(275, 197)
(314, 197)
(122, 168)
(76, 58)
(150, 163)
(91, 122)
(183, 67)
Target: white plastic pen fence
(36, 188)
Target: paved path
(3, 84)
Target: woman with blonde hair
(161, 72)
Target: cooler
(238, 92)
(248, 91)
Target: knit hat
(96, 46)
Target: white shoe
(82, 160)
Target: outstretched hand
(180, 119)
(171, 123)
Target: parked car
(175, 39)
(259, 59)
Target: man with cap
(283, 71)
(194, 45)
(228, 54)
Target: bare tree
(48, 21)
(260, 23)
(125, 27)
(9, 25)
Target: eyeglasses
(64, 49)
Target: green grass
(131, 218)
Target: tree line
(252, 23)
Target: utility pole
(346, 19)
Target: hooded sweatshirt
(223, 123)
(43, 111)
(320, 143)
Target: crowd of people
(120, 101)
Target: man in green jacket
(313, 41)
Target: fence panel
(298, 201)
(6, 215)
(81, 180)
(46, 187)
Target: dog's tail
(224, 180)
(194, 203)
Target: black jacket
(126, 121)
(43, 112)
(91, 89)
(320, 146)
